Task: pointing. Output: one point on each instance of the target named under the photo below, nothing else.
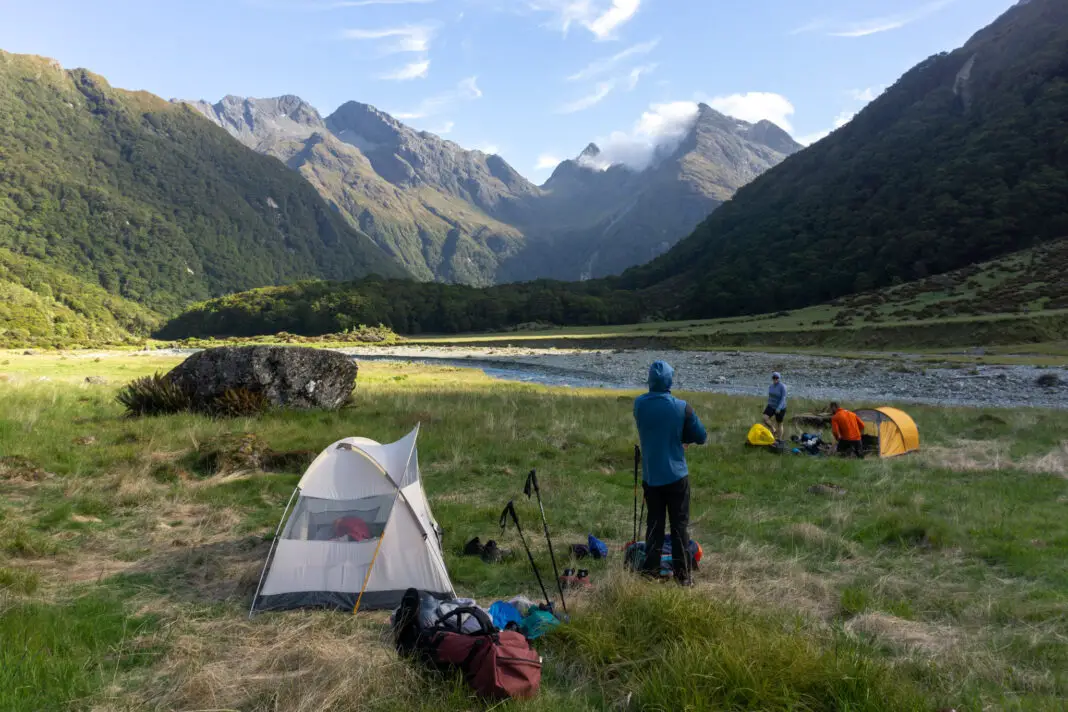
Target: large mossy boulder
(284, 376)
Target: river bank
(747, 373)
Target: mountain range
(963, 159)
(146, 199)
(454, 215)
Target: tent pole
(274, 543)
(367, 578)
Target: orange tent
(893, 431)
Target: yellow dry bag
(760, 435)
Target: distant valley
(454, 215)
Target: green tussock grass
(66, 652)
(938, 580)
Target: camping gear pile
(888, 432)
(497, 664)
(634, 557)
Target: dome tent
(359, 534)
(889, 432)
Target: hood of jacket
(661, 375)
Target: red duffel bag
(497, 664)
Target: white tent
(360, 534)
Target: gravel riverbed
(858, 381)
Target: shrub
(240, 402)
(153, 395)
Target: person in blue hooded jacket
(666, 425)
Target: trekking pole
(510, 509)
(641, 515)
(637, 462)
(532, 484)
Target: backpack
(496, 664)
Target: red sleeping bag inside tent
(352, 527)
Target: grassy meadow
(130, 548)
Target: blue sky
(533, 80)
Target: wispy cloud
(599, 94)
(546, 161)
(627, 79)
(490, 149)
(408, 38)
(874, 25)
(605, 65)
(756, 106)
(637, 73)
(620, 13)
(364, 3)
(329, 4)
(415, 70)
(466, 90)
(601, 17)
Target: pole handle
(531, 485)
(508, 509)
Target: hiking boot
(491, 554)
(473, 547)
(684, 581)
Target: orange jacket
(846, 425)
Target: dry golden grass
(905, 635)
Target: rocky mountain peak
(363, 125)
(770, 135)
(591, 151)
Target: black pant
(668, 502)
(851, 447)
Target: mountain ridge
(144, 198)
(452, 214)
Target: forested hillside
(42, 306)
(963, 159)
(152, 202)
(316, 308)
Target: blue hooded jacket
(665, 423)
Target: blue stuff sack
(598, 549)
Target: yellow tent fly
(892, 431)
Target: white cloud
(546, 161)
(409, 38)
(415, 70)
(490, 149)
(620, 13)
(602, 66)
(756, 106)
(636, 74)
(600, 92)
(657, 132)
(874, 25)
(601, 17)
(466, 90)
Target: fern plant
(153, 395)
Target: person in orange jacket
(848, 430)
